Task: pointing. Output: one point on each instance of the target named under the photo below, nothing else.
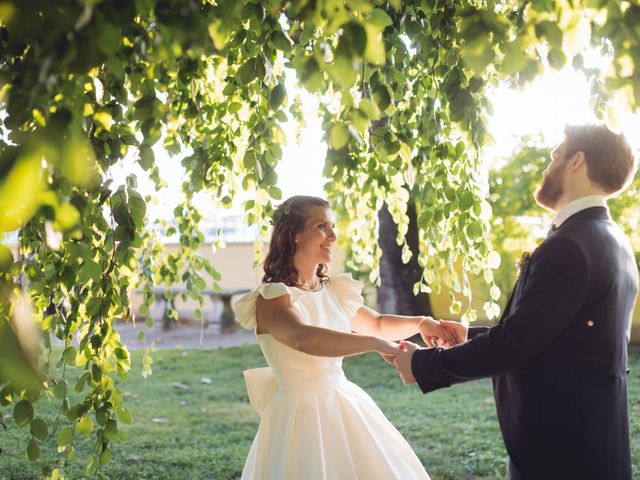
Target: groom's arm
(473, 331)
(554, 293)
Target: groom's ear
(577, 161)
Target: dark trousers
(512, 473)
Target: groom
(558, 356)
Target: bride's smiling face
(316, 240)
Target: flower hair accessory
(279, 212)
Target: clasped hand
(435, 334)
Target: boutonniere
(524, 259)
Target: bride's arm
(397, 327)
(276, 317)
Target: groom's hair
(610, 162)
(288, 220)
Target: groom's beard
(548, 194)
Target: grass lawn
(204, 431)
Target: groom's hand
(403, 362)
(389, 359)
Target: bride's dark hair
(288, 220)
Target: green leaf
(102, 416)
(493, 260)
(33, 451)
(122, 215)
(82, 381)
(132, 181)
(111, 430)
(382, 97)
(370, 109)
(467, 200)
(477, 54)
(338, 136)
(380, 18)
(495, 293)
(103, 119)
(6, 259)
(23, 413)
(121, 353)
(67, 216)
(219, 34)
(277, 96)
(474, 229)
(19, 203)
(84, 426)
(515, 57)
(124, 415)
(59, 389)
(69, 354)
(64, 437)
(137, 208)
(234, 107)
(39, 429)
(280, 41)
(309, 74)
(375, 51)
(275, 193)
(550, 32)
(252, 69)
(123, 232)
(556, 58)
(355, 36)
(343, 69)
(92, 468)
(578, 62)
(89, 270)
(105, 457)
(96, 373)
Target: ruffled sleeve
(246, 306)
(348, 291)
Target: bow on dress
(261, 387)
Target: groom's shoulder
(593, 234)
(561, 248)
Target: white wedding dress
(316, 424)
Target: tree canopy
(402, 88)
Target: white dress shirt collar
(577, 205)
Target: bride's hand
(388, 350)
(434, 334)
(385, 347)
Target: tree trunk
(395, 294)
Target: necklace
(308, 288)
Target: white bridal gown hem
(315, 424)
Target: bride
(315, 424)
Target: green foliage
(402, 89)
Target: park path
(182, 336)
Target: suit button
(590, 323)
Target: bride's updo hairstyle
(288, 220)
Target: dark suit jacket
(558, 356)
